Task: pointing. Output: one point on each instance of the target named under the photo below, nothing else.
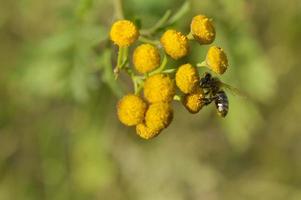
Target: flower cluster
(151, 112)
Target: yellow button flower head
(158, 116)
(131, 109)
(202, 29)
(187, 78)
(217, 60)
(175, 44)
(124, 33)
(145, 132)
(193, 102)
(159, 88)
(146, 58)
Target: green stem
(190, 36)
(161, 68)
(158, 25)
(124, 56)
(122, 60)
(139, 88)
(169, 71)
(120, 56)
(202, 64)
(119, 62)
(135, 79)
(135, 86)
(118, 9)
(146, 40)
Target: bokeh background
(59, 135)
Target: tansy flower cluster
(155, 83)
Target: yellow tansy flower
(175, 44)
(187, 78)
(202, 29)
(193, 102)
(158, 116)
(145, 132)
(159, 88)
(146, 58)
(217, 60)
(131, 109)
(124, 33)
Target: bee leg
(207, 101)
(207, 92)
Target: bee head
(206, 80)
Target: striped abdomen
(221, 103)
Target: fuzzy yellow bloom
(193, 102)
(217, 60)
(145, 132)
(175, 44)
(158, 116)
(202, 29)
(187, 78)
(124, 33)
(146, 58)
(131, 109)
(159, 88)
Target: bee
(213, 90)
(222, 103)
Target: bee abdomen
(222, 103)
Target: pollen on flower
(217, 60)
(124, 33)
(131, 109)
(193, 102)
(159, 88)
(175, 44)
(202, 29)
(187, 78)
(145, 132)
(146, 58)
(158, 116)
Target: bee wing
(234, 91)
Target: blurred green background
(59, 135)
